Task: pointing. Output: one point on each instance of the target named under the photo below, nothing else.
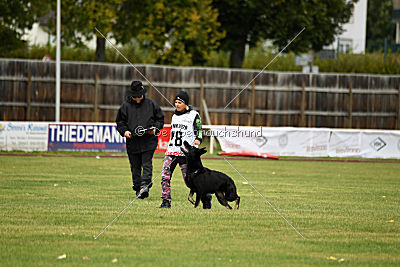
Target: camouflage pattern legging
(169, 165)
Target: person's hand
(152, 131)
(196, 142)
(128, 134)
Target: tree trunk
(100, 49)
(237, 56)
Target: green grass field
(51, 206)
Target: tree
(181, 32)
(323, 20)
(379, 23)
(15, 18)
(248, 21)
(245, 22)
(79, 19)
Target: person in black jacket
(139, 119)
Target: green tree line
(256, 58)
(191, 32)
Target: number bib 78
(181, 130)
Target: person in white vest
(185, 126)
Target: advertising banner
(380, 144)
(345, 143)
(26, 136)
(99, 137)
(278, 141)
(365, 144)
(308, 142)
(84, 137)
(163, 139)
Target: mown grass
(52, 206)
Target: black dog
(204, 181)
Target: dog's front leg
(190, 197)
(237, 203)
(198, 196)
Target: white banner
(345, 143)
(281, 141)
(365, 144)
(278, 141)
(26, 136)
(380, 144)
(308, 142)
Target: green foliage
(68, 53)
(258, 57)
(15, 18)
(7, 48)
(356, 63)
(79, 19)
(322, 20)
(15, 52)
(190, 32)
(247, 22)
(56, 205)
(133, 52)
(218, 59)
(181, 32)
(379, 24)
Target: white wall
(355, 31)
(37, 36)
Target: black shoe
(165, 204)
(143, 193)
(136, 189)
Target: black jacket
(144, 115)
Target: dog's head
(192, 152)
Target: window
(345, 45)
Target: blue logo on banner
(69, 137)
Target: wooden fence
(94, 92)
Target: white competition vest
(181, 130)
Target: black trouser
(139, 161)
